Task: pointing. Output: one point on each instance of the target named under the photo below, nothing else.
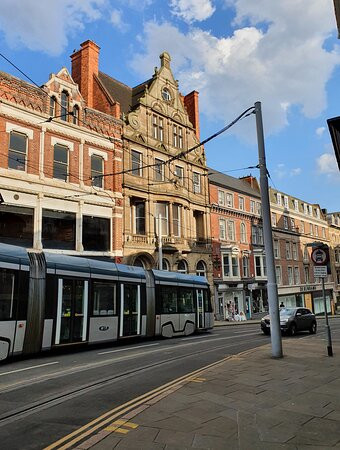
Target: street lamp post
(275, 330)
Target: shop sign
(307, 288)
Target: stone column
(37, 223)
(79, 227)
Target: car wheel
(293, 329)
(312, 329)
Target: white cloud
(327, 164)
(283, 64)
(192, 10)
(116, 18)
(320, 131)
(45, 25)
(295, 172)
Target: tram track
(54, 400)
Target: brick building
(54, 144)
(296, 224)
(239, 267)
(159, 123)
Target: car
(292, 320)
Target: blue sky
(234, 52)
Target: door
(200, 308)
(130, 310)
(71, 323)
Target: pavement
(246, 401)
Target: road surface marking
(128, 348)
(29, 368)
(107, 417)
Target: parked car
(292, 320)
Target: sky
(233, 52)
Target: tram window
(185, 301)
(207, 301)
(23, 296)
(169, 299)
(7, 294)
(104, 299)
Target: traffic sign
(320, 271)
(319, 256)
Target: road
(48, 397)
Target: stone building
(160, 125)
(53, 144)
(239, 266)
(333, 220)
(296, 224)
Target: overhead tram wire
(50, 119)
(243, 115)
(183, 153)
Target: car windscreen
(287, 311)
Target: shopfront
(308, 296)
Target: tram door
(200, 308)
(130, 310)
(72, 310)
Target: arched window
(53, 106)
(243, 233)
(182, 266)
(201, 269)
(76, 114)
(165, 264)
(64, 106)
(139, 262)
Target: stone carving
(133, 121)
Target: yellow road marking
(121, 430)
(102, 420)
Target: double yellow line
(76, 436)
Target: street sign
(319, 256)
(320, 271)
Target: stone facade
(50, 140)
(297, 224)
(159, 124)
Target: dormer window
(166, 95)
(53, 106)
(76, 115)
(64, 105)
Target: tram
(50, 300)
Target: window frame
(196, 183)
(136, 171)
(97, 175)
(64, 105)
(159, 172)
(16, 151)
(61, 163)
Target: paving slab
(250, 402)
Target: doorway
(72, 311)
(130, 310)
(200, 308)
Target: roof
(179, 278)
(127, 97)
(232, 183)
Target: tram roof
(180, 278)
(91, 267)
(14, 254)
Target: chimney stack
(84, 67)
(191, 104)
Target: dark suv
(292, 320)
